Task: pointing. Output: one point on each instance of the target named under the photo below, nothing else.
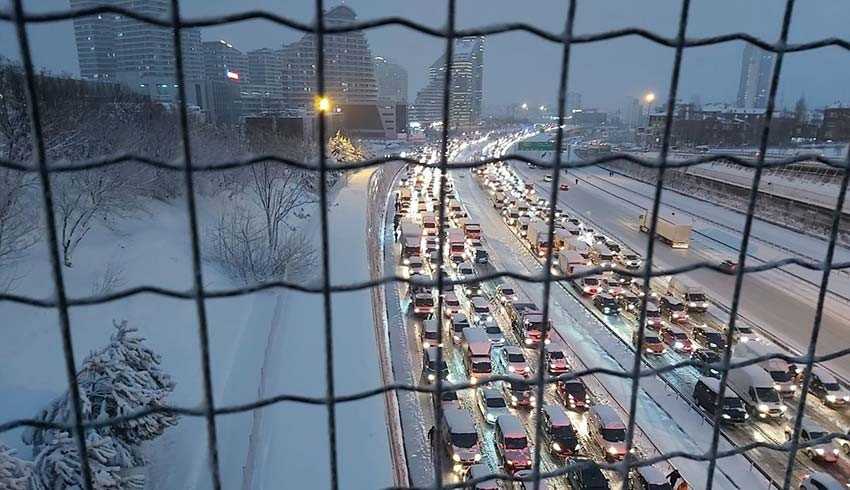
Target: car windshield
(481, 366)
(652, 313)
(680, 335)
(767, 395)
(709, 356)
(816, 435)
(432, 334)
(715, 337)
(451, 302)
(466, 439)
(496, 402)
(696, 297)
(784, 377)
(493, 329)
(831, 386)
(659, 486)
(631, 257)
(675, 306)
(733, 402)
(516, 357)
(563, 431)
(613, 435)
(591, 281)
(609, 302)
(575, 388)
(556, 354)
(481, 308)
(425, 301)
(516, 443)
(433, 364)
(507, 292)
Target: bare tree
(278, 191)
(111, 279)
(239, 245)
(18, 216)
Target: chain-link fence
(567, 39)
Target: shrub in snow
(122, 378)
(14, 472)
(58, 465)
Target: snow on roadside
(294, 446)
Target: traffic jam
(489, 329)
(495, 328)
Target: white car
(819, 480)
(491, 403)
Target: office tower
(754, 83)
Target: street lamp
(323, 104)
(649, 98)
(524, 106)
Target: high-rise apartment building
(754, 84)
(225, 75)
(466, 90)
(263, 94)
(113, 47)
(349, 69)
(392, 81)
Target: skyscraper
(134, 53)
(225, 72)
(349, 69)
(756, 67)
(465, 102)
(392, 81)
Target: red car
(556, 361)
(564, 187)
(512, 445)
(677, 339)
(513, 361)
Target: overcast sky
(520, 67)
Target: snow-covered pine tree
(14, 472)
(58, 466)
(122, 378)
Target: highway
(776, 302)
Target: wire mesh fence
(62, 301)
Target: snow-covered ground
(293, 451)
(153, 248)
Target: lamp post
(648, 98)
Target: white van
(756, 388)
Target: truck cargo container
(670, 230)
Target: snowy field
(152, 248)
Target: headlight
(726, 416)
(783, 409)
(679, 345)
(528, 341)
(612, 450)
(477, 457)
(606, 309)
(763, 408)
(830, 398)
(511, 369)
(846, 398)
(431, 377)
(777, 387)
(556, 446)
(713, 345)
(819, 451)
(490, 418)
(473, 380)
(426, 345)
(514, 398)
(456, 458)
(650, 351)
(692, 304)
(835, 451)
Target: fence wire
(209, 410)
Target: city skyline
(648, 65)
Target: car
(479, 309)
(479, 471)
(710, 339)
(527, 483)
(819, 480)
(588, 286)
(491, 404)
(559, 436)
(586, 475)
(677, 339)
(824, 452)
(573, 394)
(707, 356)
(451, 304)
(430, 371)
(519, 395)
(652, 343)
(653, 316)
(415, 266)
(456, 325)
(649, 478)
(606, 303)
(826, 387)
(607, 429)
(628, 301)
(512, 446)
(547, 178)
(729, 265)
(673, 309)
(429, 333)
(459, 437)
(564, 187)
(494, 333)
(505, 293)
(512, 361)
(706, 396)
(556, 360)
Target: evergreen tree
(123, 378)
(14, 472)
(58, 466)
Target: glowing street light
(323, 104)
(649, 97)
(542, 108)
(524, 106)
